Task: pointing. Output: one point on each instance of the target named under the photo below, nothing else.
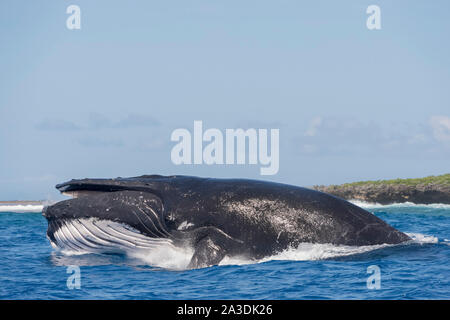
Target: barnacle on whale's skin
(213, 217)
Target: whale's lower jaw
(93, 235)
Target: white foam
(166, 257)
(20, 208)
(423, 238)
(308, 251)
(373, 205)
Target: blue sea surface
(31, 269)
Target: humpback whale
(214, 217)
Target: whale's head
(108, 214)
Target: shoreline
(25, 206)
(22, 202)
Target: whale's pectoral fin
(211, 246)
(207, 253)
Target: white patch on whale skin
(212, 245)
(184, 225)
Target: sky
(350, 103)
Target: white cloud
(137, 120)
(57, 125)
(441, 128)
(313, 127)
(339, 135)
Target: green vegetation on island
(431, 189)
(443, 179)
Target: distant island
(432, 189)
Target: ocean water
(31, 269)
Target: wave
(374, 205)
(308, 252)
(316, 251)
(173, 258)
(21, 208)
